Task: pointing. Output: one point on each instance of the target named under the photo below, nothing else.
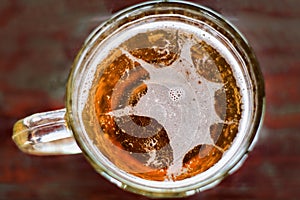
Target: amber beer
(168, 100)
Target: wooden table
(39, 40)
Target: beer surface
(167, 104)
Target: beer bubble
(176, 94)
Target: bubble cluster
(176, 94)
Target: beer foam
(186, 118)
(185, 114)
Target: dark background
(39, 40)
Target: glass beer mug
(164, 99)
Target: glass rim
(134, 184)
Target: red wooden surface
(38, 41)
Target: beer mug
(164, 99)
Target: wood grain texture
(39, 40)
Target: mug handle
(45, 133)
